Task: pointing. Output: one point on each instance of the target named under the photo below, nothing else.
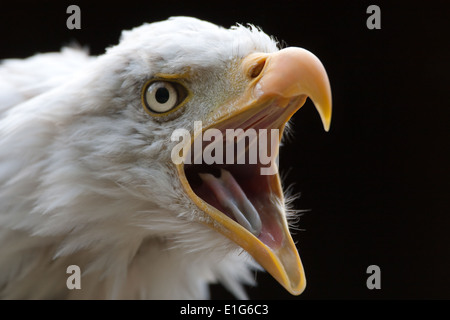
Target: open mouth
(230, 170)
(243, 183)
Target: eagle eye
(161, 97)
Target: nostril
(257, 68)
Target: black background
(378, 183)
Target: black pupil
(162, 95)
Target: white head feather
(86, 176)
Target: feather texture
(86, 176)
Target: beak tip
(325, 117)
(326, 126)
(297, 290)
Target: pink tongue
(231, 196)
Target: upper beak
(286, 77)
(289, 73)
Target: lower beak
(278, 86)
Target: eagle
(99, 170)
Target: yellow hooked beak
(279, 85)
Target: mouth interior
(237, 188)
(240, 192)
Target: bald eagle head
(153, 166)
